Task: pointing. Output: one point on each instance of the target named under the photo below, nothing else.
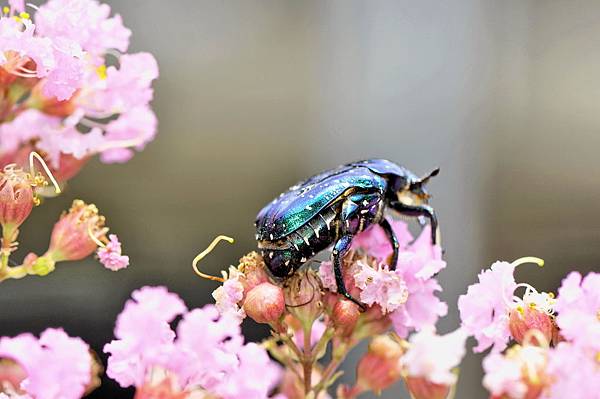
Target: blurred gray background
(504, 96)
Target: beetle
(330, 208)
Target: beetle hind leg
(340, 249)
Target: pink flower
(574, 372)
(57, 366)
(433, 356)
(484, 309)
(417, 266)
(207, 355)
(578, 306)
(229, 295)
(110, 255)
(144, 335)
(375, 242)
(381, 286)
(85, 22)
(17, 5)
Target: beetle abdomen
(286, 255)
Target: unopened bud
(265, 303)
(345, 315)
(380, 367)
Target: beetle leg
(340, 249)
(389, 232)
(418, 210)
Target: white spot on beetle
(287, 262)
(271, 236)
(296, 246)
(309, 208)
(270, 255)
(303, 259)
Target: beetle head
(414, 193)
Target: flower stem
(307, 360)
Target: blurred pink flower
(318, 328)
(57, 366)
(381, 286)
(578, 306)
(433, 356)
(17, 5)
(85, 22)
(206, 355)
(110, 255)
(574, 372)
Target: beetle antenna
(208, 250)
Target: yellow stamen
(551, 295)
(101, 71)
(520, 309)
(528, 259)
(5, 10)
(598, 314)
(532, 305)
(34, 155)
(208, 250)
(24, 15)
(598, 357)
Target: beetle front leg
(389, 232)
(341, 248)
(419, 210)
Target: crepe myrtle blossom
(205, 357)
(578, 307)
(492, 313)
(70, 90)
(53, 366)
(406, 294)
(574, 372)
(430, 363)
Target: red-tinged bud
(344, 316)
(524, 319)
(380, 367)
(421, 388)
(77, 233)
(254, 269)
(304, 296)
(265, 303)
(16, 199)
(11, 375)
(51, 105)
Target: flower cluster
(68, 90)
(308, 317)
(553, 336)
(49, 367)
(206, 357)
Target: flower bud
(380, 367)
(265, 303)
(42, 266)
(421, 388)
(304, 296)
(76, 234)
(345, 315)
(16, 199)
(522, 319)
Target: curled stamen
(34, 155)
(32, 6)
(208, 250)
(528, 259)
(94, 238)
